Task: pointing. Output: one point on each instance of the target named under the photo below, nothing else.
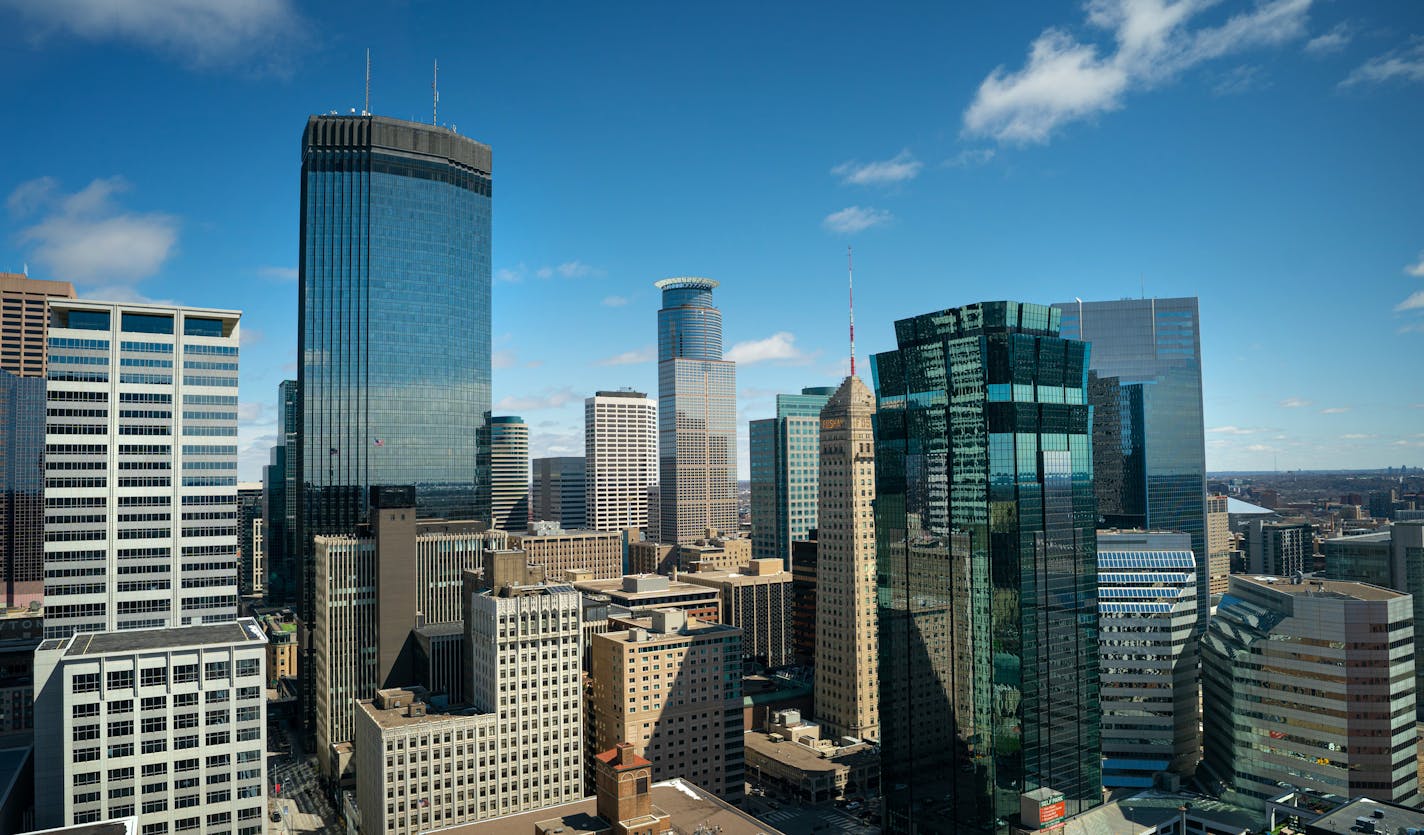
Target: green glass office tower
(785, 462)
(986, 569)
(394, 325)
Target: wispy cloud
(1294, 403)
(1417, 268)
(509, 358)
(1403, 64)
(86, 235)
(549, 399)
(1331, 42)
(640, 355)
(570, 269)
(199, 33)
(1067, 80)
(615, 301)
(1232, 430)
(1357, 436)
(780, 348)
(278, 273)
(853, 219)
(1335, 410)
(970, 157)
(1415, 301)
(1242, 79)
(509, 275)
(899, 168)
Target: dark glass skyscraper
(986, 569)
(697, 414)
(279, 503)
(394, 323)
(1155, 344)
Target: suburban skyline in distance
(1259, 156)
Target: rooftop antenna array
(435, 95)
(850, 276)
(366, 111)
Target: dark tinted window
(147, 323)
(89, 320)
(202, 327)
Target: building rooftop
(1385, 817)
(403, 716)
(799, 756)
(241, 631)
(1311, 586)
(614, 589)
(115, 826)
(566, 532)
(1383, 536)
(645, 629)
(687, 805)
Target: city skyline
(1289, 188)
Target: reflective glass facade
(785, 462)
(1157, 343)
(697, 415)
(986, 569)
(279, 500)
(22, 450)
(394, 335)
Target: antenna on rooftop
(435, 94)
(366, 111)
(850, 277)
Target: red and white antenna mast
(850, 275)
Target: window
(194, 326)
(144, 323)
(120, 680)
(183, 673)
(86, 683)
(153, 676)
(215, 669)
(86, 320)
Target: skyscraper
(394, 325)
(1156, 343)
(785, 462)
(509, 473)
(986, 568)
(141, 469)
(24, 321)
(697, 414)
(557, 491)
(620, 459)
(280, 495)
(847, 682)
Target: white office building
(165, 724)
(620, 459)
(140, 467)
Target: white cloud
(549, 399)
(1335, 410)
(853, 219)
(645, 354)
(779, 347)
(1333, 41)
(1417, 268)
(1294, 403)
(1403, 64)
(251, 412)
(615, 301)
(1067, 80)
(970, 157)
(85, 235)
(1243, 79)
(1261, 448)
(509, 275)
(249, 336)
(198, 32)
(278, 273)
(570, 269)
(1357, 436)
(1232, 430)
(1414, 302)
(903, 166)
(504, 359)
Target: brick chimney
(623, 782)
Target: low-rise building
(281, 629)
(791, 759)
(646, 592)
(758, 600)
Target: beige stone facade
(600, 553)
(847, 685)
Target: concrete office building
(641, 593)
(524, 638)
(419, 770)
(1149, 685)
(847, 680)
(394, 346)
(1310, 683)
(598, 554)
(986, 568)
(141, 469)
(24, 321)
(671, 687)
(1279, 548)
(165, 724)
(757, 600)
(393, 575)
(1152, 349)
(697, 415)
(620, 430)
(1220, 545)
(509, 473)
(785, 470)
(1393, 558)
(557, 492)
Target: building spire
(850, 275)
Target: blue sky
(1263, 156)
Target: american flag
(380, 442)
